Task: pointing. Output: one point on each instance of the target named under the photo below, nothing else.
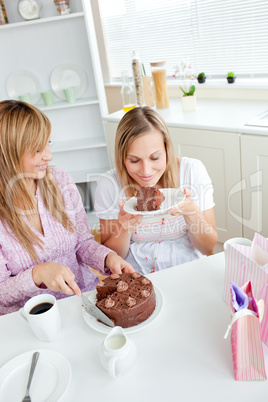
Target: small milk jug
(117, 353)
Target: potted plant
(201, 78)
(230, 77)
(186, 73)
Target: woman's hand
(201, 225)
(56, 277)
(128, 221)
(187, 207)
(117, 265)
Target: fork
(35, 358)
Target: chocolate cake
(127, 299)
(149, 199)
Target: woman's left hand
(201, 225)
(187, 207)
(117, 265)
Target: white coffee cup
(237, 240)
(46, 323)
(117, 353)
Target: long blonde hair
(24, 128)
(133, 125)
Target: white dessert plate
(66, 76)
(23, 82)
(50, 381)
(98, 326)
(173, 197)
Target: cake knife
(95, 312)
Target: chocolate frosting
(133, 296)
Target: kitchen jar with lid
(29, 9)
(63, 6)
(3, 14)
(160, 84)
(137, 79)
(127, 93)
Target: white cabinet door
(220, 153)
(254, 155)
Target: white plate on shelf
(51, 378)
(99, 327)
(173, 197)
(22, 82)
(68, 75)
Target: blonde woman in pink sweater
(45, 240)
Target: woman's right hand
(128, 221)
(56, 277)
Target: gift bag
(243, 264)
(247, 352)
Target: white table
(182, 355)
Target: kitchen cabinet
(41, 45)
(254, 182)
(220, 153)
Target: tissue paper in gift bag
(248, 360)
(242, 264)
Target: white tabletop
(182, 355)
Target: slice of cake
(127, 299)
(149, 199)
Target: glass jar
(3, 13)
(160, 84)
(127, 93)
(63, 6)
(29, 9)
(137, 79)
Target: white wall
(114, 100)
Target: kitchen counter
(211, 114)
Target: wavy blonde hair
(24, 128)
(136, 123)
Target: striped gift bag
(247, 352)
(241, 267)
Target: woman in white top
(145, 156)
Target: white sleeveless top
(158, 243)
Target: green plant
(201, 75)
(230, 74)
(188, 91)
(185, 72)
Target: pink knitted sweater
(76, 250)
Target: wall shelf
(77, 132)
(38, 21)
(76, 144)
(66, 105)
(87, 176)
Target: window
(215, 36)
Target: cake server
(95, 312)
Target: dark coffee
(41, 308)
